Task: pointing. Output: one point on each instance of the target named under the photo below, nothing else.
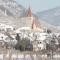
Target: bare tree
(52, 46)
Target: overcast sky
(39, 5)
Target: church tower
(29, 15)
(29, 12)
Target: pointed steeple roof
(29, 12)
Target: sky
(39, 5)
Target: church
(30, 22)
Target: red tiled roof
(29, 12)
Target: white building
(39, 42)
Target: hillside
(11, 8)
(51, 16)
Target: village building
(5, 28)
(38, 45)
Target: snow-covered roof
(25, 28)
(19, 30)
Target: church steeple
(29, 12)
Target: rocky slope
(11, 8)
